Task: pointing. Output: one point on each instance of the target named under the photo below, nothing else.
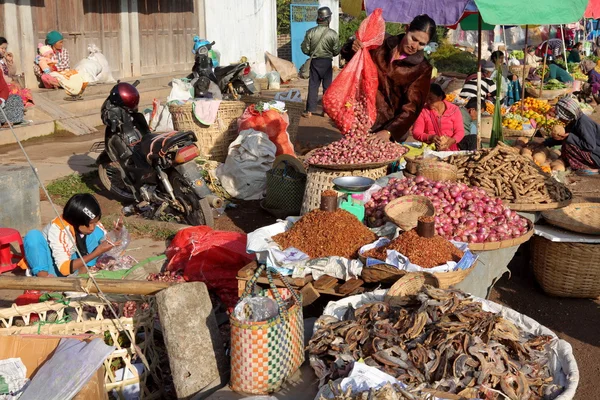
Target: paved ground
(574, 320)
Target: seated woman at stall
(51, 253)
(557, 72)
(580, 139)
(592, 87)
(440, 122)
(7, 64)
(12, 105)
(469, 116)
(52, 67)
(488, 86)
(575, 53)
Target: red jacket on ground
(450, 124)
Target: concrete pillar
(11, 33)
(125, 40)
(201, 14)
(19, 199)
(134, 39)
(192, 338)
(27, 42)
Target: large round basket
(406, 210)
(319, 179)
(294, 110)
(345, 167)
(567, 269)
(504, 243)
(213, 141)
(437, 171)
(508, 133)
(531, 207)
(386, 274)
(580, 217)
(546, 94)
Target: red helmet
(125, 95)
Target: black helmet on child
(323, 13)
(125, 95)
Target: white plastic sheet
(562, 361)
(14, 373)
(560, 235)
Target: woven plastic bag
(350, 100)
(265, 353)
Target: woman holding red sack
(440, 122)
(404, 78)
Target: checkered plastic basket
(264, 354)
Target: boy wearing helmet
(322, 44)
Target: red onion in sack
(463, 213)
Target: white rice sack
(105, 75)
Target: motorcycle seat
(221, 72)
(155, 145)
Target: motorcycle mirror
(137, 82)
(212, 44)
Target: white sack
(105, 76)
(181, 90)
(244, 173)
(89, 69)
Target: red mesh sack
(350, 100)
(212, 257)
(271, 122)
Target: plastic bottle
(261, 309)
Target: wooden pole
(562, 28)
(81, 285)
(479, 23)
(524, 69)
(543, 70)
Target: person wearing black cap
(321, 44)
(488, 86)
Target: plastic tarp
(562, 361)
(493, 12)
(72, 365)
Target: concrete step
(25, 132)
(93, 118)
(94, 103)
(149, 81)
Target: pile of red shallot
(357, 150)
(173, 276)
(463, 213)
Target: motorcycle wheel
(110, 176)
(197, 211)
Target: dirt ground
(575, 320)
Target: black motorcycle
(157, 171)
(232, 80)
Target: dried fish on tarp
(440, 338)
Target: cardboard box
(35, 350)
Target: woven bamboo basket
(386, 274)
(17, 321)
(262, 83)
(412, 164)
(518, 70)
(546, 94)
(319, 179)
(507, 133)
(567, 269)
(409, 284)
(438, 171)
(213, 141)
(294, 110)
(406, 210)
(530, 207)
(581, 218)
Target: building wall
(284, 47)
(242, 28)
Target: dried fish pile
(440, 340)
(387, 392)
(504, 173)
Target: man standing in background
(321, 44)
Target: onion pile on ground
(463, 213)
(357, 150)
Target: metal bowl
(354, 183)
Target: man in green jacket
(323, 44)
